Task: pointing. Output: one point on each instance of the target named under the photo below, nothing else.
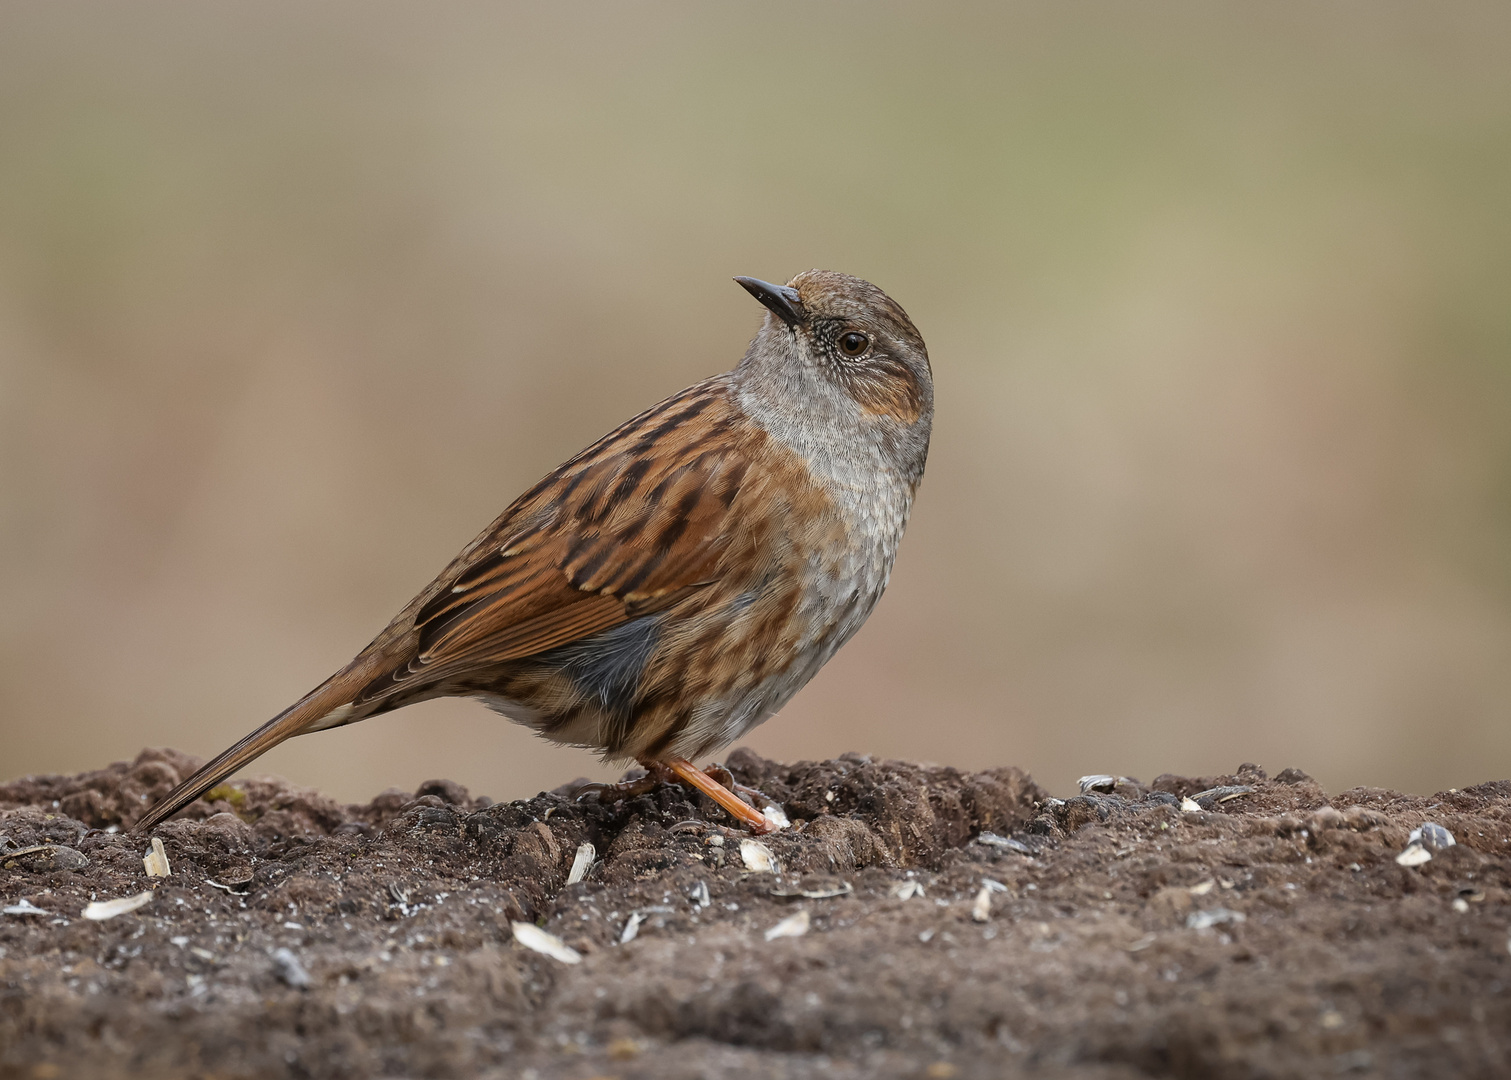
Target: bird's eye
(853, 343)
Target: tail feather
(323, 707)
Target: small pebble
(288, 968)
(981, 910)
(792, 926)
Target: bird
(676, 583)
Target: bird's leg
(741, 811)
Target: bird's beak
(783, 301)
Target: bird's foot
(722, 790)
(656, 774)
(723, 793)
(769, 807)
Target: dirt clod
(914, 921)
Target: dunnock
(673, 585)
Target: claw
(588, 791)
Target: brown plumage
(675, 583)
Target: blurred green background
(294, 298)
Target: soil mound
(915, 921)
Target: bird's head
(837, 350)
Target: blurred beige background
(294, 298)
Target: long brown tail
(304, 715)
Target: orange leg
(689, 773)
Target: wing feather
(629, 525)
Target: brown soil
(1269, 934)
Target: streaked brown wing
(625, 527)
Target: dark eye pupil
(853, 344)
